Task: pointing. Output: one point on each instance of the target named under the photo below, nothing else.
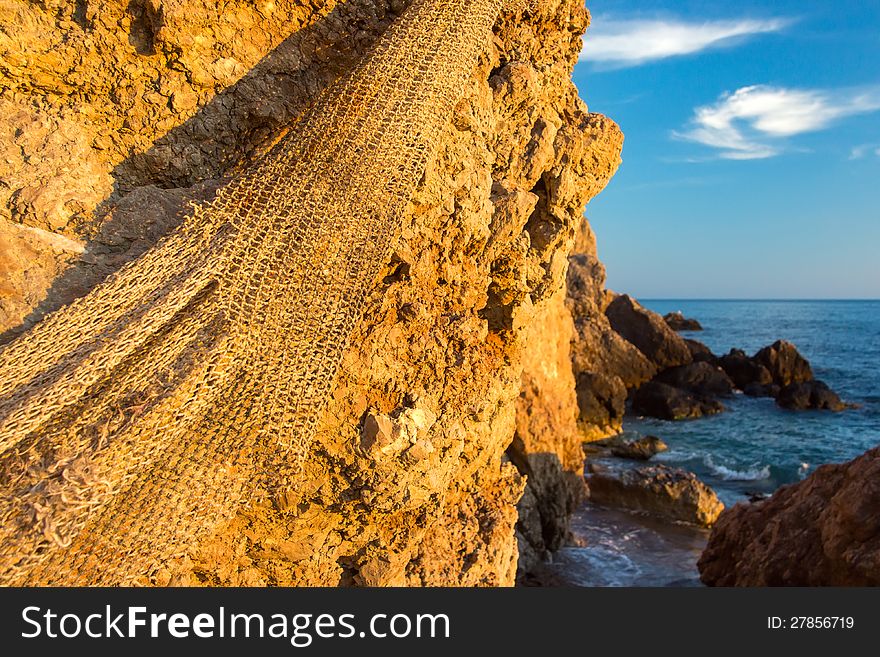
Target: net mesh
(139, 417)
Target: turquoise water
(754, 447)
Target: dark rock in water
(648, 332)
(655, 399)
(678, 322)
(595, 468)
(743, 370)
(757, 497)
(641, 449)
(762, 390)
(809, 395)
(823, 531)
(700, 352)
(667, 492)
(701, 378)
(784, 363)
(601, 403)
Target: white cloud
(752, 122)
(621, 43)
(860, 151)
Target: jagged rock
(743, 371)
(604, 364)
(659, 490)
(546, 446)
(784, 363)
(762, 390)
(406, 432)
(700, 378)
(678, 322)
(648, 332)
(655, 399)
(809, 395)
(700, 352)
(601, 404)
(159, 105)
(595, 346)
(823, 531)
(640, 449)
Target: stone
(648, 332)
(678, 322)
(655, 399)
(823, 531)
(700, 378)
(94, 162)
(378, 432)
(808, 395)
(700, 352)
(743, 371)
(762, 390)
(546, 446)
(640, 449)
(667, 492)
(785, 363)
(596, 349)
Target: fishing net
(142, 415)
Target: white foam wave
(675, 455)
(756, 472)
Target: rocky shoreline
(674, 378)
(823, 531)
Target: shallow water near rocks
(754, 447)
(627, 549)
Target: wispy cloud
(860, 151)
(618, 43)
(753, 122)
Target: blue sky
(751, 167)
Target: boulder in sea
(762, 390)
(700, 378)
(700, 352)
(655, 399)
(668, 492)
(678, 322)
(823, 531)
(640, 449)
(785, 363)
(743, 371)
(809, 395)
(648, 332)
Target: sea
(752, 448)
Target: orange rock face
(658, 490)
(457, 388)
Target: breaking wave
(757, 472)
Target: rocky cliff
(458, 388)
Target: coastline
(747, 452)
